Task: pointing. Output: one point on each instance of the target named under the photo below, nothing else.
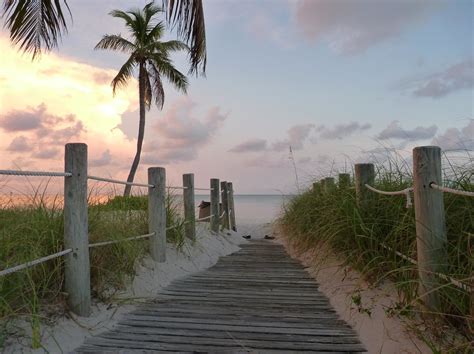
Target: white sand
(379, 332)
(67, 334)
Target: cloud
(42, 132)
(19, 144)
(351, 27)
(252, 145)
(456, 139)
(267, 161)
(46, 153)
(18, 121)
(297, 136)
(457, 77)
(181, 134)
(304, 160)
(395, 131)
(104, 159)
(342, 130)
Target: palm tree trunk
(141, 129)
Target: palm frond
(157, 86)
(150, 10)
(130, 21)
(35, 25)
(124, 74)
(156, 32)
(173, 46)
(164, 48)
(173, 75)
(188, 17)
(116, 42)
(148, 89)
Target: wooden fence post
(215, 212)
(364, 173)
(328, 184)
(430, 221)
(322, 183)
(230, 190)
(344, 180)
(76, 235)
(157, 213)
(189, 208)
(225, 204)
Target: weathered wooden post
(230, 188)
(215, 212)
(344, 180)
(225, 205)
(157, 213)
(328, 184)
(316, 187)
(430, 221)
(189, 208)
(76, 236)
(322, 183)
(364, 173)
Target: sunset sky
(335, 80)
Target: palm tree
(37, 25)
(151, 57)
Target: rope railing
(35, 173)
(451, 190)
(203, 189)
(34, 262)
(453, 281)
(405, 192)
(176, 187)
(105, 243)
(205, 218)
(121, 182)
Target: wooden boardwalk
(257, 300)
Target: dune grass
(31, 231)
(332, 218)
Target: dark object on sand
(205, 210)
(247, 237)
(269, 237)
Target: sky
(339, 81)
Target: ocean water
(255, 209)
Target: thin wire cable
(453, 281)
(35, 262)
(203, 189)
(405, 192)
(450, 190)
(176, 187)
(121, 182)
(104, 243)
(34, 173)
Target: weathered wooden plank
(237, 335)
(209, 347)
(149, 316)
(336, 331)
(249, 316)
(231, 341)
